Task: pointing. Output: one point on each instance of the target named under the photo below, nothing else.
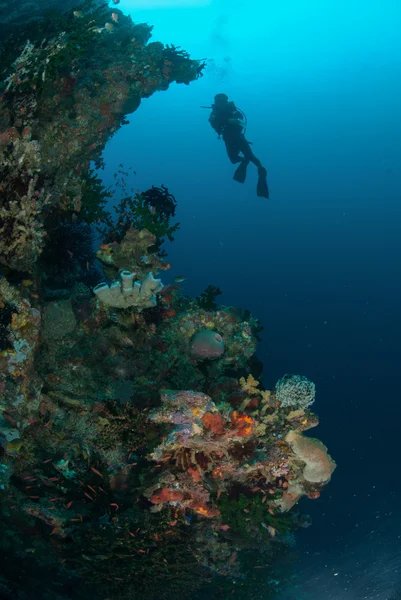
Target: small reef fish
(179, 279)
(27, 282)
(116, 1)
(78, 14)
(109, 27)
(114, 16)
(98, 29)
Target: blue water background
(320, 262)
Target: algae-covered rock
(58, 320)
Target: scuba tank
(243, 122)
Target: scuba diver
(230, 122)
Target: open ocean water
(319, 262)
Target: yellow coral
(265, 396)
(197, 411)
(18, 321)
(249, 385)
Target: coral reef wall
(66, 90)
(139, 455)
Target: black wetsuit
(226, 120)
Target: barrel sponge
(206, 344)
(295, 391)
(319, 465)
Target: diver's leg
(233, 153)
(240, 172)
(248, 154)
(262, 190)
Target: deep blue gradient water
(320, 262)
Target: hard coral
(21, 229)
(295, 391)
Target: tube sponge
(295, 391)
(206, 344)
(126, 293)
(127, 281)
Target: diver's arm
(216, 126)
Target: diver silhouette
(230, 123)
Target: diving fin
(262, 190)
(240, 173)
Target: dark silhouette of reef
(139, 455)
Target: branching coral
(22, 200)
(295, 391)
